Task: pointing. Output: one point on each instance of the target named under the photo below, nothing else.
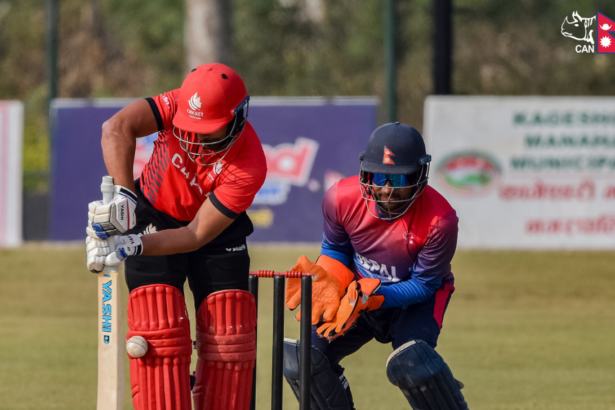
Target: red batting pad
(226, 344)
(160, 380)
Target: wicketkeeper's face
(393, 199)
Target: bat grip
(107, 189)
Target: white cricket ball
(136, 346)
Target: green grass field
(524, 330)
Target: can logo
(469, 173)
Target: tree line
(138, 48)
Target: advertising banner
(526, 172)
(11, 153)
(310, 143)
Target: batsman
(185, 218)
(384, 273)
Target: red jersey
(177, 186)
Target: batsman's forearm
(119, 136)
(119, 154)
(170, 242)
(208, 224)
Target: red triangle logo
(387, 157)
(605, 41)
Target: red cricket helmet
(211, 97)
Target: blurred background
(492, 84)
(139, 48)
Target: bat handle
(107, 189)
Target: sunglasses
(396, 180)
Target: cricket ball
(136, 346)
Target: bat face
(110, 338)
(110, 343)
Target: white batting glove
(125, 246)
(100, 255)
(113, 218)
(97, 251)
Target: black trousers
(222, 264)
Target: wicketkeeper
(185, 218)
(384, 273)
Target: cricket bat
(110, 340)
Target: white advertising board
(526, 172)
(11, 140)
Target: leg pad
(424, 378)
(329, 391)
(161, 378)
(226, 344)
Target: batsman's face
(393, 199)
(213, 137)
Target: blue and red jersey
(411, 255)
(178, 187)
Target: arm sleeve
(431, 267)
(221, 207)
(335, 240)
(164, 107)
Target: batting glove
(97, 251)
(100, 255)
(113, 218)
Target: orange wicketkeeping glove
(358, 298)
(329, 281)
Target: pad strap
(161, 378)
(226, 345)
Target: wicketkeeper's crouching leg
(160, 379)
(226, 344)
(328, 390)
(424, 378)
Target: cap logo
(387, 157)
(195, 102)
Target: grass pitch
(524, 330)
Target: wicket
(278, 335)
